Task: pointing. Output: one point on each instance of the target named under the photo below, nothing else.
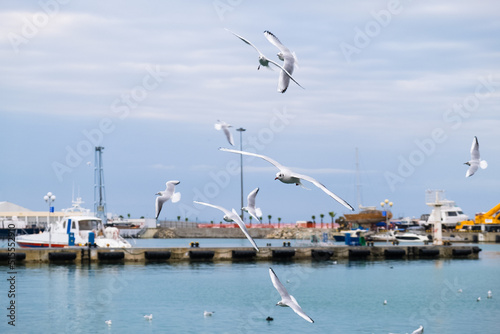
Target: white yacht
(75, 231)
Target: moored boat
(75, 231)
(412, 237)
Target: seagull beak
(276, 178)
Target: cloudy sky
(407, 83)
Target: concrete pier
(179, 254)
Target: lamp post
(389, 205)
(49, 198)
(240, 130)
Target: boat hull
(39, 245)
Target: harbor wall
(178, 254)
(263, 233)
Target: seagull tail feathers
(483, 164)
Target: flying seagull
(250, 208)
(286, 298)
(419, 330)
(285, 55)
(285, 175)
(233, 217)
(475, 160)
(264, 61)
(221, 125)
(166, 195)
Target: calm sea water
(343, 297)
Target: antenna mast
(99, 191)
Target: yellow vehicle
(488, 221)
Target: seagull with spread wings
(264, 61)
(287, 300)
(285, 175)
(475, 162)
(168, 194)
(250, 208)
(233, 217)
(221, 125)
(289, 61)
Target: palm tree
(332, 214)
(279, 221)
(269, 217)
(187, 219)
(250, 217)
(128, 215)
(314, 220)
(178, 218)
(322, 216)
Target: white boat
(411, 237)
(449, 214)
(387, 236)
(85, 230)
(354, 233)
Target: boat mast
(358, 184)
(99, 191)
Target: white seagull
(148, 317)
(208, 313)
(221, 125)
(233, 217)
(264, 61)
(286, 298)
(250, 208)
(490, 295)
(166, 195)
(475, 162)
(108, 322)
(419, 330)
(289, 58)
(285, 175)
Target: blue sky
(408, 83)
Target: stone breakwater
(257, 233)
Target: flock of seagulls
(285, 175)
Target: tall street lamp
(240, 130)
(389, 205)
(49, 198)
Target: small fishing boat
(75, 231)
